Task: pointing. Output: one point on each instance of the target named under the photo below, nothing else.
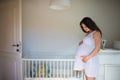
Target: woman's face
(86, 29)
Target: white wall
(46, 30)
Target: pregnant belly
(84, 50)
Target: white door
(10, 40)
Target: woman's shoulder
(96, 34)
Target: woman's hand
(85, 58)
(80, 42)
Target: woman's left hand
(85, 58)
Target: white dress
(91, 66)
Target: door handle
(17, 45)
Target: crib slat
(46, 69)
(64, 69)
(68, 68)
(25, 69)
(53, 68)
(36, 69)
(60, 68)
(71, 71)
(57, 68)
(43, 69)
(50, 69)
(32, 69)
(28, 65)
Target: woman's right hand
(85, 58)
(80, 42)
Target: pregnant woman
(89, 46)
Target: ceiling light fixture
(59, 4)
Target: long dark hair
(90, 24)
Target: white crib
(50, 69)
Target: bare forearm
(94, 52)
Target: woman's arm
(97, 38)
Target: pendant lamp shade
(60, 4)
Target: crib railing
(49, 68)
